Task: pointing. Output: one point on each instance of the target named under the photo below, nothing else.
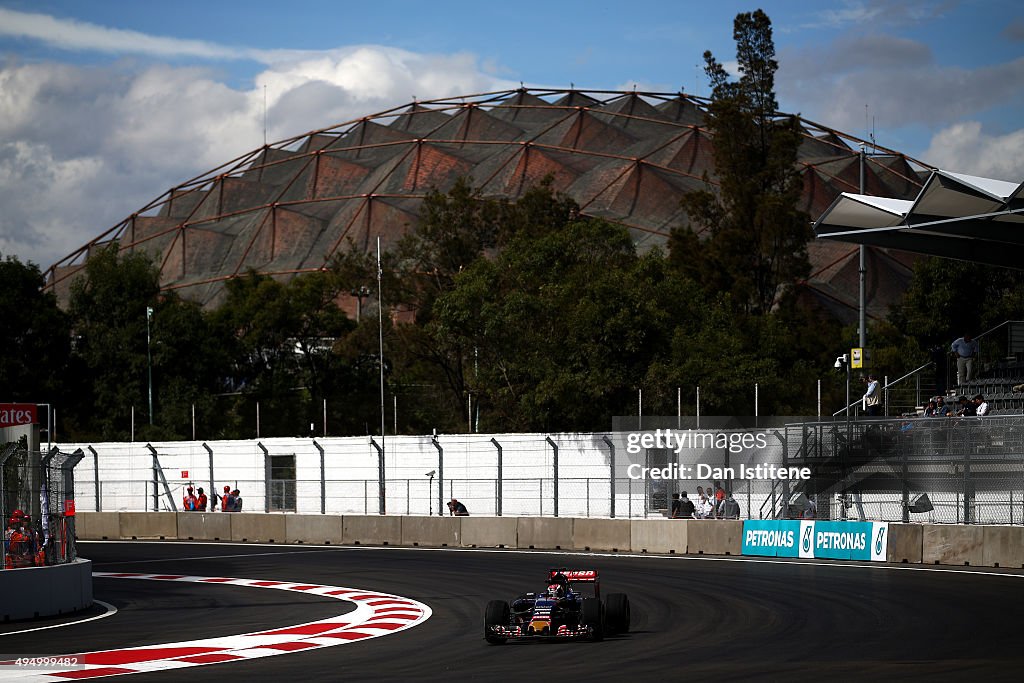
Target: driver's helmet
(556, 590)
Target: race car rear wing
(575, 575)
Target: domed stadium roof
(627, 157)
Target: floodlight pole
(149, 360)
(862, 327)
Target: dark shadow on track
(691, 618)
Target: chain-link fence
(37, 504)
(954, 470)
(957, 470)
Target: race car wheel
(592, 615)
(497, 613)
(617, 613)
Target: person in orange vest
(201, 500)
(226, 500)
(190, 502)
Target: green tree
(563, 325)
(108, 309)
(34, 336)
(755, 247)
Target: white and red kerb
(376, 614)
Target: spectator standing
(676, 509)
(719, 498)
(964, 349)
(236, 501)
(201, 501)
(686, 508)
(226, 502)
(729, 509)
(872, 407)
(190, 503)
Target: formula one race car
(560, 612)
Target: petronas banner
(866, 541)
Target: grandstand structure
(628, 157)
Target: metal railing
(38, 507)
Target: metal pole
(554, 463)
(266, 476)
(862, 321)
(500, 474)
(611, 474)
(96, 474)
(380, 340)
(819, 398)
(639, 410)
(213, 490)
(381, 480)
(440, 475)
(257, 419)
(756, 397)
(679, 407)
(698, 406)
(193, 421)
(325, 417)
(323, 479)
(149, 360)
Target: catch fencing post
(96, 476)
(381, 502)
(213, 490)
(266, 475)
(440, 475)
(323, 480)
(611, 474)
(500, 488)
(554, 448)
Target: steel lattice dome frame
(628, 157)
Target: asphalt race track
(692, 617)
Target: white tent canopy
(954, 216)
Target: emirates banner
(15, 414)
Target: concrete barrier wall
(45, 591)
(953, 544)
(906, 543)
(438, 532)
(100, 526)
(254, 526)
(490, 532)
(373, 530)
(658, 536)
(993, 546)
(714, 537)
(326, 529)
(601, 534)
(1003, 546)
(162, 525)
(545, 532)
(204, 526)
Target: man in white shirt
(872, 407)
(980, 405)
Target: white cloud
(966, 148)
(87, 146)
(69, 34)
(898, 79)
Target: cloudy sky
(105, 105)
